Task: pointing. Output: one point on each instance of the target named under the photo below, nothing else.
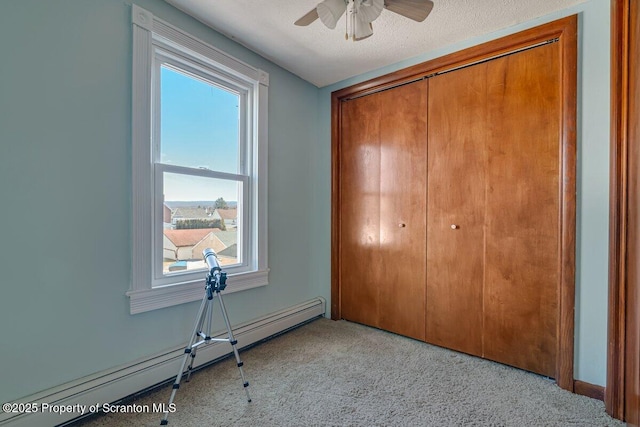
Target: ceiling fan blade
(418, 10)
(308, 18)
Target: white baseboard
(114, 384)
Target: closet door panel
(382, 199)
(361, 264)
(403, 175)
(523, 222)
(456, 209)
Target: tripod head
(216, 278)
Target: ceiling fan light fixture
(329, 11)
(370, 10)
(362, 29)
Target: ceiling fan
(361, 14)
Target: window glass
(200, 212)
(200, 123)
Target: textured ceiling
(323, 56)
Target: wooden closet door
(360, 261)
(456, 209)
(382, 199)
(523, 211)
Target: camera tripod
(216, 281)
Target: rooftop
(188, 237)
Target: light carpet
(329, 373)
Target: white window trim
(149, 32)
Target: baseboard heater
(115, 384)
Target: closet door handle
(402, 225)
(454, 226)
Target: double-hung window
(199, 166)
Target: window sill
(167, 296)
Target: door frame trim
(622, 398)
(614, 393)
(565, 31)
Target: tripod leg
(187, 352)
(206, 313)
(233, 342)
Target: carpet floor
(328, 373)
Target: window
(199, 166)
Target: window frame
(181, 64)
(155, 43)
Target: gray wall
(65, 193)
(593, 175)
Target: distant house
(166, 216)
(188, 244)
(229, 216)
(230, 240)
(190, 213)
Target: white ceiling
(323, 56)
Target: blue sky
(199, 128)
